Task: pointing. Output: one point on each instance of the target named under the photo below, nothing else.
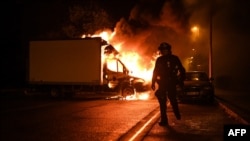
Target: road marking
(142, 127)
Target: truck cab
(116, 74)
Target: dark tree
(86, 19)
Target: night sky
(24, 20)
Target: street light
(195, 35)
(196, 32)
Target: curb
(138, 132)
(231, 112)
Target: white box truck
(63, 67)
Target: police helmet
(164, 46)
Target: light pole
(210, 44)
(210, 52)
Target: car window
(196, 77)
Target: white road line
(144, 126)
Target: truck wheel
(128, 91)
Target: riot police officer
(168, 72)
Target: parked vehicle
(64, 67)
(197, 86)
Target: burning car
(197, 85)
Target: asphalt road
(86, 118)
(74, 120)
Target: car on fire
(197, 86)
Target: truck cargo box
(65, 61)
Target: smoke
(154, 21)
(221, 22)
(231, 43)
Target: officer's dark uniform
(168, 72)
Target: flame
(138, 96)
(132, 60)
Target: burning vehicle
(64, 67)
(117, 75)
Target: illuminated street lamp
(195, 35)
(195, 30)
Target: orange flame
(132, 60)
